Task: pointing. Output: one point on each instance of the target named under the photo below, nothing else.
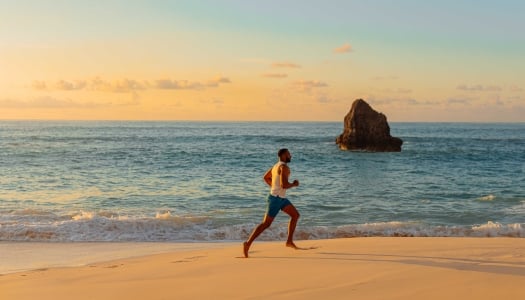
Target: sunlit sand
(359, 268)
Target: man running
(277, 178)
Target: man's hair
(282, 151)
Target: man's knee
(292, 212)
(294, 215)
(266, 224)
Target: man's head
(284, 155)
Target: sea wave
(201, 181)
(489, 197)
(88, 226)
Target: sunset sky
(244, 60)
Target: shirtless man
(277, 178)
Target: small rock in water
(367, 129)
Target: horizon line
(244, 121)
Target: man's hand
(296, 183)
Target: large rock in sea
(366, 129)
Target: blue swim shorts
(275, 204)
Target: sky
(243, 60)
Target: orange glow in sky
(261, 60)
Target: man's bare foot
(291, 245)
(245, 248)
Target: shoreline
(359, 268)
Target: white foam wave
(489, 197)
(83, 216)
(167, 216)
(164, 226)
(497, 229)
(163, 216)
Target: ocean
(76, 181)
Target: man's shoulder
(284, 167)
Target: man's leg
(256, 232)
(294, 217)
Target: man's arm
(268, 177)
(285, 172)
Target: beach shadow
(188, 259)
(251, 253)
(113, 266)
(462, 264)
(307, 248)
(479, 261)
(297, 248)
(489, 267)
(473, 265)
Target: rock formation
(366, 129)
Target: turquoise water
(197, 181)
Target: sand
(358, 268)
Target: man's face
(287, 157)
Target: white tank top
(277, 189)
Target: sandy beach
(358, 268)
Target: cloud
(515, 88)
(116, 86)
(222, 80)
(70, 86)
(274, 75)
(168, 84)
(128, 85)
(346, 48)
(307, 85)
(95, 84)
(479, 88)
(217, 80)
(285, 65)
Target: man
(277, 178)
